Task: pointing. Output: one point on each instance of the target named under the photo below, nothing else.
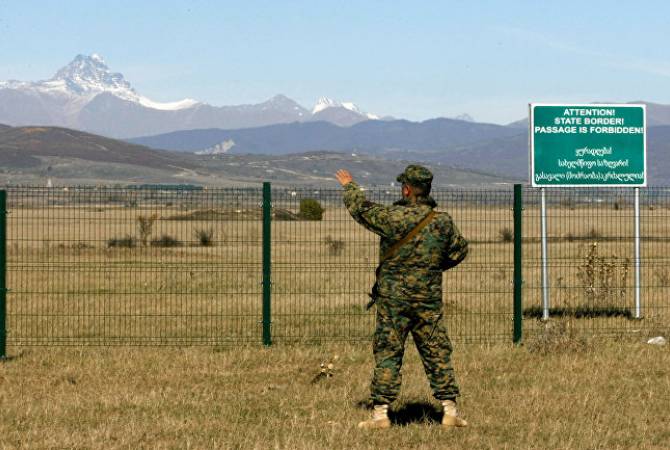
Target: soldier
(416, 245)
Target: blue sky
(414, 60)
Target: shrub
(310, 209)
(145, 225)
(603, 280)
(205, 236)
(166, 241)
(127, 241)
(335, 246)
(506, 234)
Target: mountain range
(40, 155)
(392, 137)
(493, 149)
(86, 95)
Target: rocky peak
(90, 73)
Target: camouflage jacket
(415, 271)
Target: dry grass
(66, 281)
(563, 390)
(606, 396)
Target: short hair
(420, 190)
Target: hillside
(23, 146)
(33, 155)
(470, 146)
(318, 168)
(375, 137)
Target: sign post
(638, 302)
(588, 145)
(545, 269)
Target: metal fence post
(638, 301)
(518, 278)
(267, 270)
(3, 274)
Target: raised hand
(344, 177)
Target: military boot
(450, 418)
(380, 418)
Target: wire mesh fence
(131, 266)
(153, 265)
(591, 260)
(323, 269)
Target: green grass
(606, 395)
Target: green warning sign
(588, 145)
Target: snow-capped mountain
(86, 77)
(325, 102)
(340, 113)
(87, 95)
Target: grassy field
(560, 394)
(565, 388)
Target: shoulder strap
(395, 247)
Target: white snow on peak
(85, 77)
(351, 107)
(325, 103)
(168, 106)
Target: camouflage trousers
(395, 320)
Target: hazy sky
(415, 60)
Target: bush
(506, 234)
(145, 225)
(205, 236)
(127, 241)
(603, 280)
(335, 246)
(166, 241)
(310, 209)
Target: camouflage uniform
(410, 287)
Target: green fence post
(3, 274)
(267, 270)
(518, 278)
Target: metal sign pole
(638, 306)
(545, 273)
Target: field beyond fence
(152, 266)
